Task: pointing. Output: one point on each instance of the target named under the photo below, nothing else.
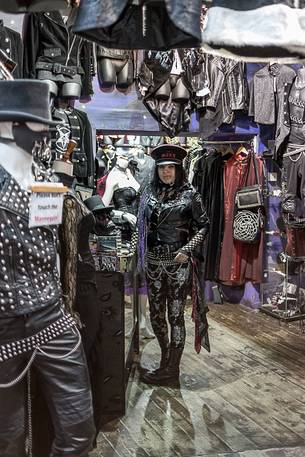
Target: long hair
(180, 178)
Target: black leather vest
(29, 279)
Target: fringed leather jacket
(29, 279)
(176, 218)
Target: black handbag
(248, 218)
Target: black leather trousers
(63, 379)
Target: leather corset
(29, 279)
(125, 199)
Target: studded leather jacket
(29, 279)
(176, 219)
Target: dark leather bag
(248, 214)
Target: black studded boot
(168, 374)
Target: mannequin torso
(119, 179)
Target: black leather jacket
(11, 44)
(29, 279)
(119, 23)
(178, 220)
(48, 39)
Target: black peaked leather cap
(167, 154)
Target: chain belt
(52, 331)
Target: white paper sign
(46, 208)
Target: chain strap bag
(248, 218)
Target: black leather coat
(11, 44)
(178, 219)
(28, 274)
(47, 39)
(119, 23)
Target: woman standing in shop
(172, 225)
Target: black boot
(163, 362)
(168, 374)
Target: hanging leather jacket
(48, 40)
(12, 46)
(147, 24)
(29, 279)
(155, 70)
(27, 6)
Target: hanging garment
(247, 30)
(227, 92)
(12, 46)
(269, 91)
(293, 179)
(151, 24)
(52, 51)
(210, 181)
(73, 124)
(27, 6)
(239, 262)
(161, 90)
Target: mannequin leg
(106, 73)
(163, 92)
(65, 385)
(71, 90)
(12, 414)
(144, 330)
(180, 92)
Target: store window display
(54, 54)
(172, 224)
(35, 327)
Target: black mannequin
(115, 68)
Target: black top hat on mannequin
(25, 100)
(168, 154)
(28, 6)
(95, 204)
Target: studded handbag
(248, 218)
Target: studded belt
(49, 333)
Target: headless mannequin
(174, 84)
(70, 90)
(120, 177)
(113, 73)
(145, 165)
(17, 160)
(14, 159)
